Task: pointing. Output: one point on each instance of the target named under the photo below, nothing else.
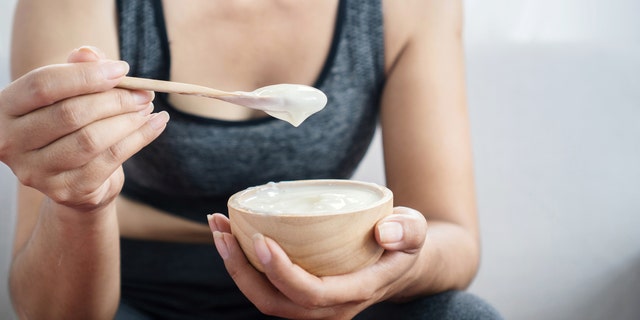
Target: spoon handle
(171, 87)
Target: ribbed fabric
(197, 163)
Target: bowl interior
(310, 197)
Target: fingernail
(262, 251)
(221, 245)
(212, 223)
(147, 110)
(142, 97)
(159, 120)
(390, 232)
(114, 69)
(90, 50)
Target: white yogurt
(293, 103)
(283, 198)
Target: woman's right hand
(65, 129)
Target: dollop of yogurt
(273, 198)
(293, 103)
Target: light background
(554, 98)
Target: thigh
(450, 305)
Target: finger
(306, 289)
(404, 230)
(219, 222)
(363, 287)
(47, 85)
(130, 145)
(85, 54)
(298, 285)
(257, 288)
(92, 175)
(48, 124)
(83, 145)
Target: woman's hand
(65, 130)
(286, 290)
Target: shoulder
(45, 32)
(413, 14)
(408, 21)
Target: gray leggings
(450, 305)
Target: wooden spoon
(289, 102)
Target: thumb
(404, 230)
(85, 54)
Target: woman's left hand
(286, 290)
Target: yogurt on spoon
(293, 103)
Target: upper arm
(424, 119)
(45, 32)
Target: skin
(70, 215)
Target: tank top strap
(143, 38)
(364, 34)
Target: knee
(459, 305)
(450, 305)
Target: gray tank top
(197, 163)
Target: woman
(90, 244)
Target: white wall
(7, 182)
(554, 98)
(555, 133)
(554, 95)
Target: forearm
(448, 260)
(69, 267)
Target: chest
(243, 45)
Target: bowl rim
(386, 195)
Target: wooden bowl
(321, 241)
